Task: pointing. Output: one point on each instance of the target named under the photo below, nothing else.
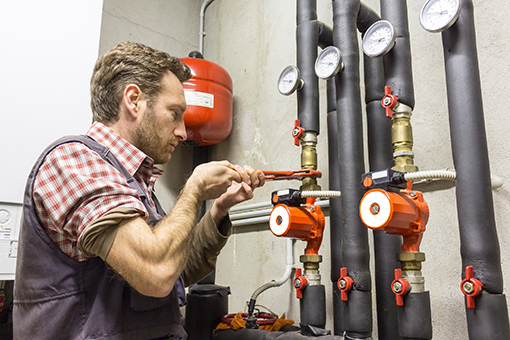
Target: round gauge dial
(289, 80)
(379, 39)
(439, 15)
(328, 63)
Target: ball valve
(305, 222)
(402, 213)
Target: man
(98, 259)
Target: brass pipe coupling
(401, 132)
(309, 159)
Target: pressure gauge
(289, 81)
(439, 15)
(328, 63)
(379, 39)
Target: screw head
(375, 208)
(295, 132)
(412, 194)
(387, 100)
(342, 284)
(279, 220)
(297, 283)
(468, 287)
(397, 287)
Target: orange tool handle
(291, 174)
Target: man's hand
(214, 178)
(238, 192)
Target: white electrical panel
(10, 221)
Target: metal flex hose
(430, 174)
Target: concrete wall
(254, 41)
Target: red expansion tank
(208, 116)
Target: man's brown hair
(130, 63)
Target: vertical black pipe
(355, 254)
(335, 206)
(478, 235)
(380, 154)
(307, 41)
(397, 63)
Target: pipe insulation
(380, 155)
(335, 216)
(475, 210)
(355, 253)
(397, 63)
(307, 40)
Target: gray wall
(254, 41)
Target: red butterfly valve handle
(400, 287)
(344, 283)
(389, 101)
(300, 283)
(471, 287)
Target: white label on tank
(199, 98)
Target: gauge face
(379, 39)
(439, 15)
(328, 63)
(289, 80)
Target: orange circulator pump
(209, 100)
(403, 213)
(305, 222)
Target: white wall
(48, 51)
(254, 41)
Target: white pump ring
(279, 220)
(383, 212)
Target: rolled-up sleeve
(208, 240)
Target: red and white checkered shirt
(75, 186)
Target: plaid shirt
(75, 186)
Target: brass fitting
(309, 159)
(411, 269)
(402, 139)
(311, 267)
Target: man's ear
(132, 99)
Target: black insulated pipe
(313, 306)
(397, 63)
(307, 40)
(478, 235)
(380, 155)
(414, 317)
(355, 255)
(335, 206)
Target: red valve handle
(300, 283)
(297, 132)
(344, 283)
(389, 101)
(403, 287)
(471, 287)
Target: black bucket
(207, 303)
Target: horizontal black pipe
(256, 334)
(397, 63)
(477, 226)
(355, 253)
(307, 40)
